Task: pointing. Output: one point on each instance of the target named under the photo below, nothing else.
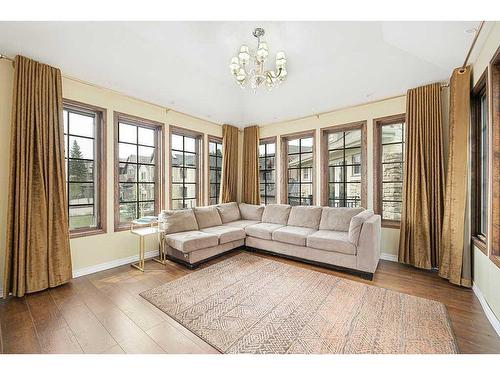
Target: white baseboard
(114, 263)
(486, 308)
(389, 257)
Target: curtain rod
(472, 45)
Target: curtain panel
(229, 177)
(455, 264)
(251, 192)
(423, 190)
(37, 247)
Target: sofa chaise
(345, 239)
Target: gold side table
(143, 232)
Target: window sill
(127, 226)
(495, 259)
(480, 244)
(86, 233)
(394, 224)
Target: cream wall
(367, 112)
(485, 273)
(94, 250)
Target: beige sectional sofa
(339, 238)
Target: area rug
(249, 304)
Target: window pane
(391, 153)
(306, 175)
(82, 217)
(336, 191)
(391, 210)
(177, 174)
(146, 192)
(128, 212)
(392, 191)
(306, 190)
(65, 117)
(190, 160)
(190, 191)
(127, 152)
(177, 204)
(271, 200)
(147, 173)
(128, 192)
(219, 149)
(146, 209)
(336, 140)
(127, 172)
(293, 175)
(294, 161)
(353, 138)
(306, 144)
(392, 133)
(177, 142)
(81, 193)
(336, 174)
(336, 157)
(392, 172)
(177, 158)
(81, 125)
(190, 175)
(306, 160)
(146, 137)
(80, 170)
(81, 148)
(190, 203)
(214, 190)
(177, 191)
(212, 148)
(262, 150)
(353, 191)
(146, 155)
(293, 146)
(189, 144)
(127, 133)
(213, 162)
(294, 190)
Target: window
(185, 179)
(84, 130)
(299, 164)
(344, 184)
(494, 250)
(267, 170)
(389, 168)
(138, 162)
(215, 169)
(479, 144)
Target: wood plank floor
(103, 312)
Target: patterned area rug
(248, 304)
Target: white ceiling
(184, 65)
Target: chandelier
(248, 68)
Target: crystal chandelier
(255, 76)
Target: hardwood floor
(103, 312)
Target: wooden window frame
(266, 141)
(481, 88)
(494, 105)
(177, 130)
(159, 157)
(358, 125)
(100, 162)
(284, 160)
(212, 139)
(377, 162)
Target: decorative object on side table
(138, 228)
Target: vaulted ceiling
(184, 65)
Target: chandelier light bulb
(241, 75)
(244, 55)
(235, 65)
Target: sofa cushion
(262, 230)
(226, 233)
(251, 211)
(276, 214)
(229, 212)
(305, 216)
(174, 221)
(242, 223)
(356, 224)
(191, 241)
(330, 240)
(293, 235)
(338, 218)
(207, 216)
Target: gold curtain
(229, 176)
(455, 262)
(423, 190)
(37, 249)
(251, 192)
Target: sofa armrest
(368, 250)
